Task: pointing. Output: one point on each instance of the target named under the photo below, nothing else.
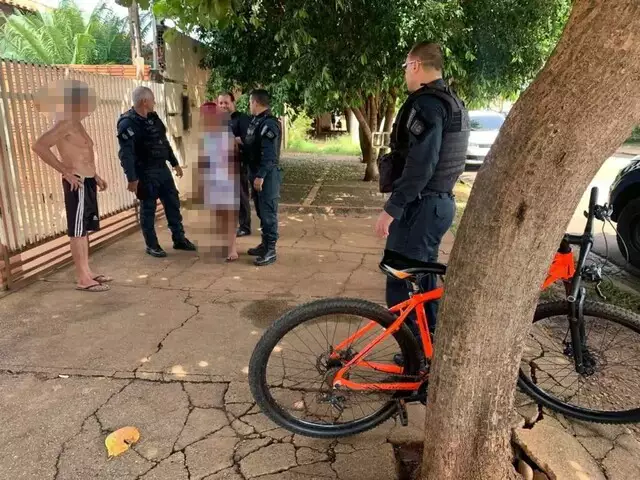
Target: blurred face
(210, 120)
(77, 102)
(412, 67)
(226, 104)
(80, 109)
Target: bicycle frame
(416, 302)
(563, 268)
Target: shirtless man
(79, 179)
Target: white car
(485, 126)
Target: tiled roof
(29, 5)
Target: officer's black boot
(258, 251)
(184, 244)
(156, 251)
(268, 257)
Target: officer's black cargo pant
(245, 199)
(266, 203)
(158, 184)
(417, 235)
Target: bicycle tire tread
(603, 311)
(299, 315)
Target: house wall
(180, 59)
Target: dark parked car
(624, 197)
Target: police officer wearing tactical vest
(144, 152)
(428, 149)
(263, 143)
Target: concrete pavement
(167, 350)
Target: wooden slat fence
(32, 215)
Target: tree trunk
(580, 108)
(134, 22)
(366, 142)
(389, 113)
(347, 119)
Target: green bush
(635, 135)
(299, 140)
(299, 129)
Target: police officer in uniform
(263, 143)
(144, 152)
(428, 151)
(239, 124)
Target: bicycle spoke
(610, 379)
(306, 368)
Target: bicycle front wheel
(608, 391)
(295, 363)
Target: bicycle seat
(399, 267)
(410, 274)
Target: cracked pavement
(570, 449)
(167, 351)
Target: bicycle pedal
(402, 412)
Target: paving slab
(557, 452)
(271, 459)
(623, 460)
(167, 350)
(41, 417)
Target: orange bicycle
(325, 378)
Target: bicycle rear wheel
(609, 391)
(293, 366)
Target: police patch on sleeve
(130, 131)
(267, 132)
(417, 127)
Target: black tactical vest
(455, 138)
(151, 149)
(253, 140)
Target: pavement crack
(186, 419)
(346, 282)
(82, 425)
(614, 444)
(305, 232)
(161, 343)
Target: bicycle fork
(576, 326)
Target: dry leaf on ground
(119, 441)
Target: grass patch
(461, 192)
(616, 295)
(340, 145)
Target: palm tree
(65, 37)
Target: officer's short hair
(261, 96)
(139, 94)
(429, 54)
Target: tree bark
(580, 108)
(366, 141)
(347, 119)
(136, 40)
(389, 112)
